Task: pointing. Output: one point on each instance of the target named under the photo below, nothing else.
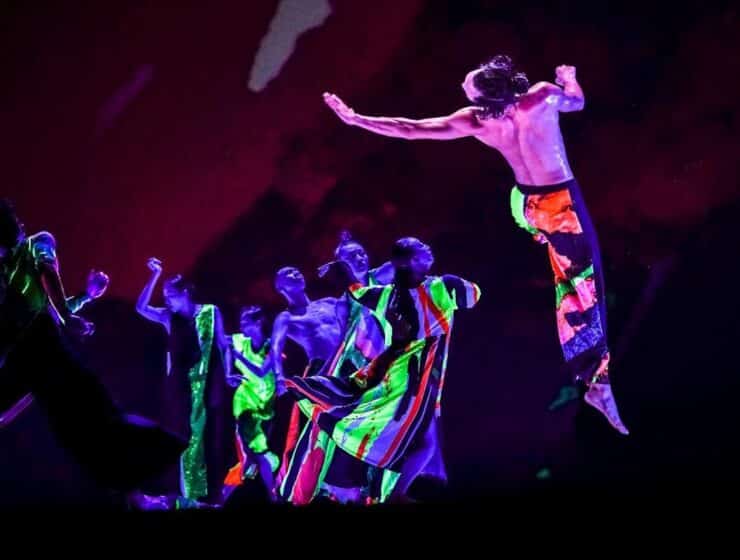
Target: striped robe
(382, 411)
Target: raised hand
(155, 265)
(97, 283)
(565, 74)
(323, 270)
(339, 270)
(340, 108)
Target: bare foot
(601, 398)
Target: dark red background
(226, 184)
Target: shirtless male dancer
(522, 123)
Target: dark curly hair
(10, 226)
(499, 86)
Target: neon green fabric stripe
(562, 289)
(194, 471)
(517, 200)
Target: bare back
(528, 136)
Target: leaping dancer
(522, 123)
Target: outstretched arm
(460, 124)
(339, 272)
(466, 294)
(44, 255)
(75, 303)
(571, 97)
(52, 283)
(156, 314)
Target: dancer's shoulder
(468, 117)
(42, 237)
(542, 91)
(282, 316)
(42, 246)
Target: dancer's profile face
(290, 279)
(175, 300)
(471, 92)
(421, 261)
(356, 258)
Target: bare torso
(529, 137)
(317, 329)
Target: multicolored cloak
(381, 411)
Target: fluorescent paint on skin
(292, 18)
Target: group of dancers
(366, 410)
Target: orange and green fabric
(556, 216)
